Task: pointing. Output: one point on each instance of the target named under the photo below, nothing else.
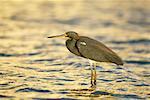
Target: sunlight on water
(34, 67)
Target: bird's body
(91, 49)
(97, 51)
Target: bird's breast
(71, 46)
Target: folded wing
(94, 50)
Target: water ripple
(141, 84)
(53, 70)
(139, 41)
(62, 79)
(140, 62)
(16, 55)
(129, 96)
(53, 99)
(4, 96)
(6, 55)
(100, 93)
(106, 80)
(33, 90)
(42, 60)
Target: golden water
(34, 67)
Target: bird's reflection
(85, 89)
(86, 92)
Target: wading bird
(90, 49)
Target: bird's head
(69, 34)
(72, 35)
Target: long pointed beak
(63, 35)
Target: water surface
(34, 67)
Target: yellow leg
(92, 76)
(95, 73)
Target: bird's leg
(91, 75)
(94, 66)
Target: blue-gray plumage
(91, 49)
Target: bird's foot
(95, 82)
(93, 87)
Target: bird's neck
(71, 42)
(72, 39)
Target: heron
(90, 49)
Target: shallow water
(34, 67)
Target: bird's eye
(66, 35)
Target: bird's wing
(94, 50)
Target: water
(34, 67)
